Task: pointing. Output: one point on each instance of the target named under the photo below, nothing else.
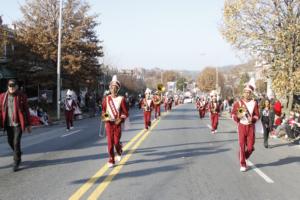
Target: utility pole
(217, 80)
(59, 60)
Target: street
(178, 158)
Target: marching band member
(201, 107)
(166, 102)
(70, 106)
(214, 109)
(147, 105)
(176, 99)
(114, 112)
(246, 112)
(170, 102)
(156, 102)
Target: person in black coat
(267, 119)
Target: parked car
(187, 100)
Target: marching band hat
(213, 93)
(147, 91)
(249, 88)
(69, 92)
(115, 82)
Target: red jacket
(156, 98)
(21, 111)
(201, 105)
(213, 110)
(122, 111)
(254, 115)
(145, 107)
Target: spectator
(87, 100)
(34, 119)
(43, 116)
(15, 118)
(267, 119)
(79, 99)
(290, 126)
(296, 129)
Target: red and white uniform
(214, 109)
(176, 99)
(170, 103)
(147, 106)
(116, 108)
(201, 107)
(70, 106)
(156, 98)
(246, 130)
(166, 103)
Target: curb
(59, 122)
(52, 124)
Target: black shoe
(266, 145)
(16, 165)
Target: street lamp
(217, 85)
(59, 59)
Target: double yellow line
(141, 136)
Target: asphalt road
(177, 159)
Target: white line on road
(71, 133)
(209, 126)
(259, 172)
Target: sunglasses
(12, 85)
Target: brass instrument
(161, 88)
(118, 121)
(157, 101)
(105, 117)
(241, 112)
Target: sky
(168, 34)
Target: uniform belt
(246, 124)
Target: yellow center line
(86, 186)
(100, 189)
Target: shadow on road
(184, 144)
(175, 154)
(132, 174)
(45, 163)
(284, 161)
(180, 128)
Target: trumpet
(105, 117)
